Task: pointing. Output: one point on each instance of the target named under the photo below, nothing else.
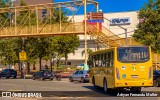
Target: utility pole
(126, 36)
(85, 30)
(22, 67)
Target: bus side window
(94, 60)
(90, 62)
(104, 60)
(107, 59)
(111, 59)
(99, 60)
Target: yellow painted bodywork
(109, 73)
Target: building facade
(128, 20)
(31, 2)
(42, 12)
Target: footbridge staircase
(108, 39)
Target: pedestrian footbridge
(25, 21)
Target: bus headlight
(150, 73)
(117, 74)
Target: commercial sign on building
(95, 17)
(120, 21)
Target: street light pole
(125, 29)
(22, 67)
(126, 36)
(85, 32)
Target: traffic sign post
(22, 57)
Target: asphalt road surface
(64, 89)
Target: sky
(109, 6)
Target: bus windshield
(133, 54)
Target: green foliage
(30, 48)
(4, 16)
(89, 51)
(43, 48)
(65, 44)
(148, 32)
(25, 16)
(7, 51)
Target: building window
(68, 63)
(44, 12)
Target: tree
(30, 48)
(64, 45)
(42, 48)
(23, 16)
(89, 51)
(7, 49)
(148, 32)
(4, 16)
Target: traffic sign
(22, 55)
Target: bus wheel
(155, 83)
(94, 84)
(105, 86)
(135, 89)
(138, 89)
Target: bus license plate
(134, 76)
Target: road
(65, 90)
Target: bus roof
(112, 48)
(104, 50)
(134, 46)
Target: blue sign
(120, 21)
(95, 20)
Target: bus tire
(155, 83)
(135, 89)
(138, 90)
(105, 86)
(94, 84)
(158, 81)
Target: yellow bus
(121, 67)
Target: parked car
(80, 75)
(156, 78)
(43, 74)
(7, 73)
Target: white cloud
(71, 8)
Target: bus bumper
(134, 84)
